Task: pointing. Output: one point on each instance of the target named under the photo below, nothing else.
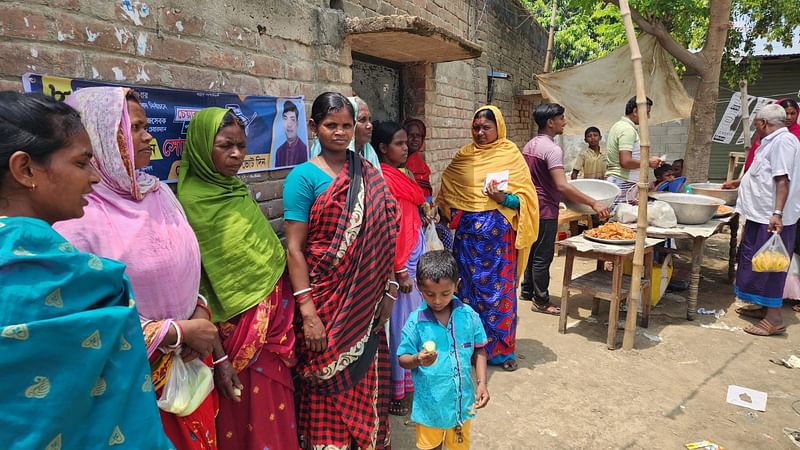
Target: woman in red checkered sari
(341, 224)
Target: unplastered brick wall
(446, 95)
(249, 47)
(276, 47)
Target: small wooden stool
(603, 285)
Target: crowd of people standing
(309, 346)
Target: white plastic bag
(660, 214)
(772, 256)
(792, 287)
(187, 386)
(626, 213)
(432, 238)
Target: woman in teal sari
(75, 370)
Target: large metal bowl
(690, 209)
(715, 190)
(600, 190)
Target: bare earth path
(572, 393)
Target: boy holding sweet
(440, 340)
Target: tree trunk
(703, 118)
(701, 129)
(707, 63)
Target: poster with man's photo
(290, 135)
(270, 122)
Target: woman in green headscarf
(243, 265)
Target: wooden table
(604, 285)
(568, 216)
(698, 234)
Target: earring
(33, 187)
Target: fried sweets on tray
(612, 231)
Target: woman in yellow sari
(494, 228)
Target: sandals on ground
(398, 408)
(547, 308)
(765, 328)
(755, 313)
(510, 365)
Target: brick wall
(276, 47)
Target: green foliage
(580, 37)
(590, 29)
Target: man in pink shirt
(546, 162)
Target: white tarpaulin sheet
(595, 93)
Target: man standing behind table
(769, 196)
(591, 162)
(294, 151)
(622, 150)
(545, 160)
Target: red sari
(345, 390)
(409, 198)
(416, 163)
(260, 344)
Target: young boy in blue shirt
(439, 342)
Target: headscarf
(241, 255)
(130, 217)
(462, 185)
(416, 163)
(409, 197)
(751, 154)
(366, 150)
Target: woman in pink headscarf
(792, 109)
(134, 218)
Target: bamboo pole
(550, 35)
(745, 111)
(644, 140)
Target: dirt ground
(571, 392)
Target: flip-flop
(397, 408)
(755, 313)
(547, 308)
(764, 328)
(510, 365)
(796, 308)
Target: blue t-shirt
(304, 184)
(444, 392)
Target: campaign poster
(169, 112)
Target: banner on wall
(731, 122)
(275, 126)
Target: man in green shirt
(622, 150)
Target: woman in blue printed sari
(494, 228)
(75, 370)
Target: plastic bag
(432, 238)
(187, 386)
(792, 287)
(772, 256)
(660, 214)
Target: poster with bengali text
(169, 112)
